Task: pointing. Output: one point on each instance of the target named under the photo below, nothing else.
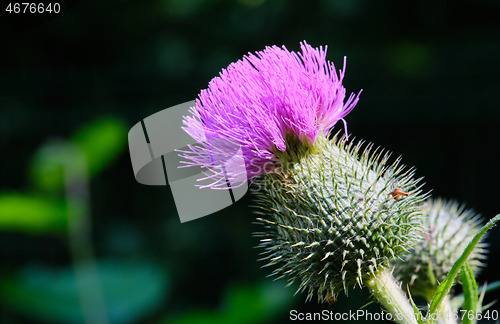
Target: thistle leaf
(470, 294)
(458, 300)
(445, 286)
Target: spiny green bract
(448, 229)
(330, 219)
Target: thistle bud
(448, 229)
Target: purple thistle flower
(265, 104)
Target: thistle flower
(448, 229)
(273, 104)
(331, 214)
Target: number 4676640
(32, 7)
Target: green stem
(77, 197)
(389, 294)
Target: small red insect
(398, 193)
(329, 298)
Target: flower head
(272, 104)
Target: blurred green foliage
(129, 291)
(242, 304)
(54, 295)
(33, 214)
(101, 142)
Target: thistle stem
(389, 294)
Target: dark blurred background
(78, 80)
